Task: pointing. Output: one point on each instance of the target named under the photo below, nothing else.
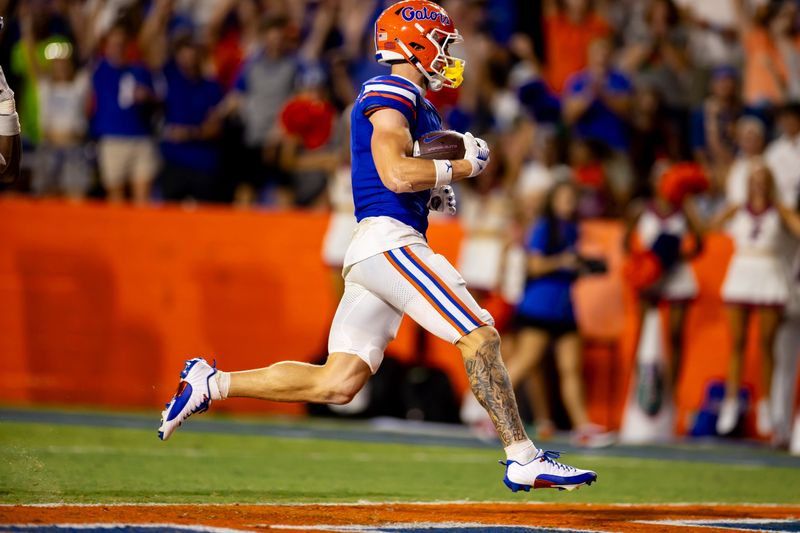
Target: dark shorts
(179, 182)
(556, 328)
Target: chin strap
(433, 83)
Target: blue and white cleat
(192, 397)
(544, 472)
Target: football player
(389, 268)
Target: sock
(220, 385)
(522, 452)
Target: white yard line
(416, 526)
(362, 503)
(727, 523)
(113, 525)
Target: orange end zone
(418, 517)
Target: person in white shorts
(756, 283)
(677, 286)
(10, 147)
(783, 158)
(389, 269)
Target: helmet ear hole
(416, 46)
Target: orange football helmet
(419, 32)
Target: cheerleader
(660, 219)
(756, 283)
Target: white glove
(476, 151)
(443, 199)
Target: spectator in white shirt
(783, 156)
(62, 167)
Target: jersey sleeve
(537, 243)
(142, 76)
(377, 95)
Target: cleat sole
(515, 487)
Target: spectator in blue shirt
(597, 100)
(192, 125)
(546, 315)
(123, 94)
(547, 299)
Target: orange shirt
(566, 45)
(763, 61)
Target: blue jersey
(370, 195)
(116, 111)
(188, 102)
(549, 297)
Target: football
(446, 144)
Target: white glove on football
(443, 199)
(476, 151)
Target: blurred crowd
(208, 100)
(586, 104)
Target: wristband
(7, 106)
(9, 125)
(444, 172)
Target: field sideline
(61, 458)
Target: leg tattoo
(490, 384)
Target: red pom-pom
(682, 180)
(308, 118)
(641, 269)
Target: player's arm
(718, 222)
(631, 219)
(576, 105)
(791, 219)
(540, 264)
(696, 227)
(399, 172)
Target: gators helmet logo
(420, 32)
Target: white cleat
(192, 397)
(728, 416)
(763, 418)
(544, 472)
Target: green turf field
(52, 463)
